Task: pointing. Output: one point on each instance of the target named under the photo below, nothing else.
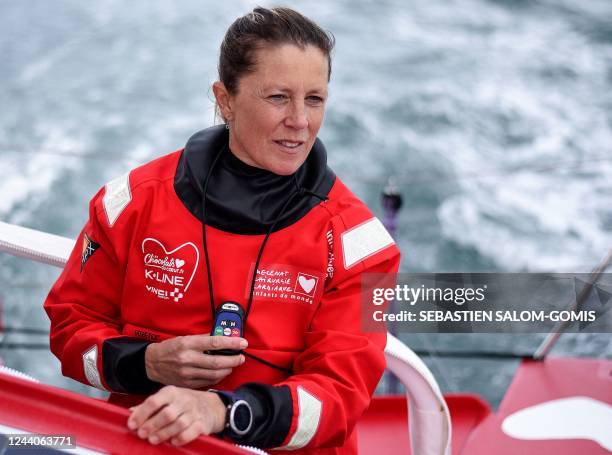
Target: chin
(284, 170)
(285, 167)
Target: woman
(247, 219)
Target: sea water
(493, 117)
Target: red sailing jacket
(137, 271)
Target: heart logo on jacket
(169, 272)
(307, 283)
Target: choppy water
(495, 117)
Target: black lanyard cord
(260, 254)
(299, 191)
(208, 272)
(269, 364)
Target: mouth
(289, 146)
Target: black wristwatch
(238, 414)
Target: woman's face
(277, 110)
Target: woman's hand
(177, 414)
(181, 361)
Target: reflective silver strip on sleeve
(363, 241)
(308, 420)
(117, 196)
(90, 367)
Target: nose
(297, 117)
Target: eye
(277, 97)
(315, 100)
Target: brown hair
(262, 27)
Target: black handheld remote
(229, 322)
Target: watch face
(241, 417)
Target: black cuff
(123, 363)
(272, 409)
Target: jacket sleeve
(84, 309)
(337, 372)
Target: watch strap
(232, 402)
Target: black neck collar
(243, 199)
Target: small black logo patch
(89, 248)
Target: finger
(198, 378)
(213, 343)
(202, 383)
(213, 375)
(166, 416)
(189, 373)
(144, 411)
(189, 434)
(180, 424)
(198, 359)
(216, 362)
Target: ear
(223, 100)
